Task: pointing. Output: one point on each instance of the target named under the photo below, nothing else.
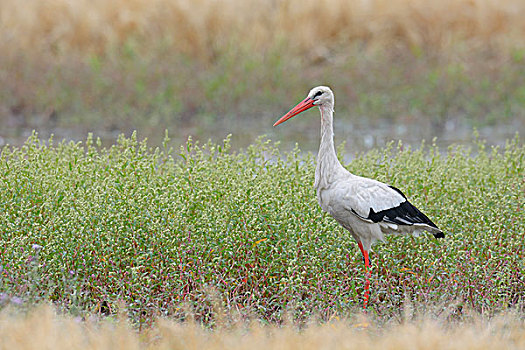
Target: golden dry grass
(202, 27)
(43, 329)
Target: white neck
(327, 163)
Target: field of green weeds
(163, 232)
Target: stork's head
(320, 96)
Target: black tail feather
(439, 234)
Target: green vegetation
(160, 231)
(244, 92)
(207, 70)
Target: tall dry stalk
(202, 27)
(47, 330)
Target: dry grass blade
(201, 27)
(57, 332)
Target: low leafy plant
(159, 231)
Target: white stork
(367, 208)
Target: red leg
(367, 270)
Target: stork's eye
(318, 93)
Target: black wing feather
(403, 214)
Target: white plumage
(367, 208)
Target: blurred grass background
(399, 68)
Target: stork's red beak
(302, 106)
